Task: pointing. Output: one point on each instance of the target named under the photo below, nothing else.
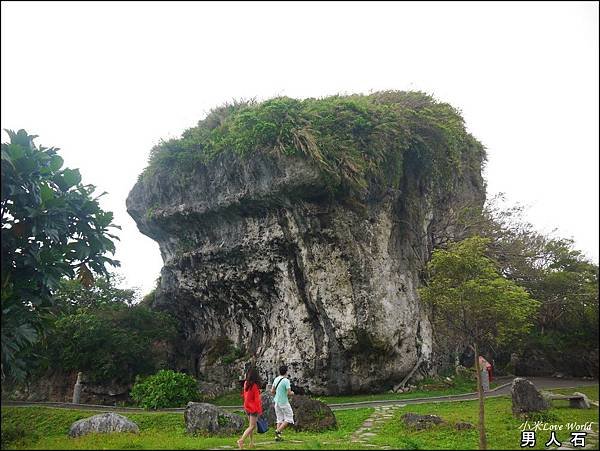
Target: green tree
(554, 273)
(469, 297)
(51, 228)
(100, 331)
(72, 295)
(110, 343)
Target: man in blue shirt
(281, 389)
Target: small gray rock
(204, 417)
(103, 423)
(463, 425)
(419, 422)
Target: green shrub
(12, 433)
(166, 388)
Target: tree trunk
(482, 439)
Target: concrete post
(77, 390)
(485, 380)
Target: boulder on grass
(526, 398)
(204, 417)
(311, 414)
(103, 423)
(419, 422)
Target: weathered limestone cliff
(263, 260)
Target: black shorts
(251, 414)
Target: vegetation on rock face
(224, 349)
(356, 141)
(166, 388)
(368, 346)
(52, 228)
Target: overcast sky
(106, 81)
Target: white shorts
(284, 413)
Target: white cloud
(106, 81)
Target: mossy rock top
(358, 142)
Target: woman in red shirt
(252, 404)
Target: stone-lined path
(371, 426)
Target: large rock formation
(261, 260)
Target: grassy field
(502, 428)
(46, 428)
(460, 386)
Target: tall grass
(356, 141)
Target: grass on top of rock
(355, 140)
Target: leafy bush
(12, 433)
(109, 344)
(166, 388)
(72, 296)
